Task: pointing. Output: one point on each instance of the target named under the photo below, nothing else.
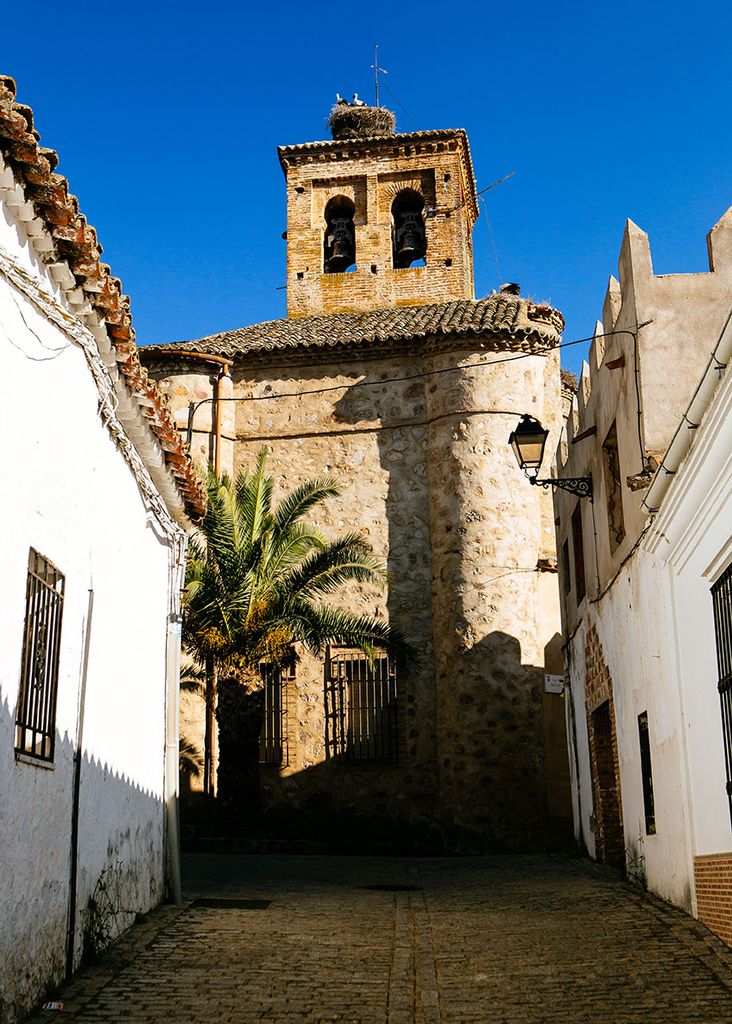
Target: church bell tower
(377, 220)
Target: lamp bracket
(579, 485)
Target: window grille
(361, 722)
(722, 601)
(646, 774)
(273, 744)
(35, 720)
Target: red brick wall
(713, 877)
(604, 762)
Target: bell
(340, 258)
(340, 242)
(411, 242)
(410, 249)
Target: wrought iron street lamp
(528, 441)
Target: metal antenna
(377, 69)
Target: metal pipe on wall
(76, 793)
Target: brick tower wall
(371, 178)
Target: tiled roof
(69, 246)
(515, 322)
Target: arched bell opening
(409, 240)
(339, 242)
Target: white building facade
(98, 495)
(650, 424)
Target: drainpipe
(216, 425)
(220, 376)
(76, 794)
(171, 783)
(224, 365)
(681, 441)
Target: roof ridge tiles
(494, 314)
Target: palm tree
(256, 582)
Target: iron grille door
(35, 720)
(273, 745)
(361, 714)
(722, 601)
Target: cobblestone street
(496, 940)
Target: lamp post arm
(579, 485)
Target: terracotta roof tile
(74, 243)
(515, 322)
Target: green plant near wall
(102, 916)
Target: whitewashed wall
(656, 628)
(634, 626)
(68, 493)
(693, 535)
(649, 599)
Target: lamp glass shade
(528, 441)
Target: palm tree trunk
(209, 777)
(240, 715)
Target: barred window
(35, 720)
(361, 722)
(722, 601)
(273, 745)
(646, 774)
(578, 548)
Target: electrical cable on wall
(409, 377)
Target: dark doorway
(608, 820)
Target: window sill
(22, 758)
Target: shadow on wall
(120, 865)
(470, 773)
(350, 807)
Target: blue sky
(167, 117)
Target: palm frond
(299, 502)
(254, 496)
(256, 587)
(292, 545)
(322, 624)
(348, 558)
(222, 525)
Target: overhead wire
(407, 377)
(484, 203)
(400, 104)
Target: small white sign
(553, 684)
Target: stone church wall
(427, 475)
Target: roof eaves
(518, 320)
(68, 245)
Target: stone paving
(495, 940)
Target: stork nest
(347, 122)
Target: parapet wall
(649, 350)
